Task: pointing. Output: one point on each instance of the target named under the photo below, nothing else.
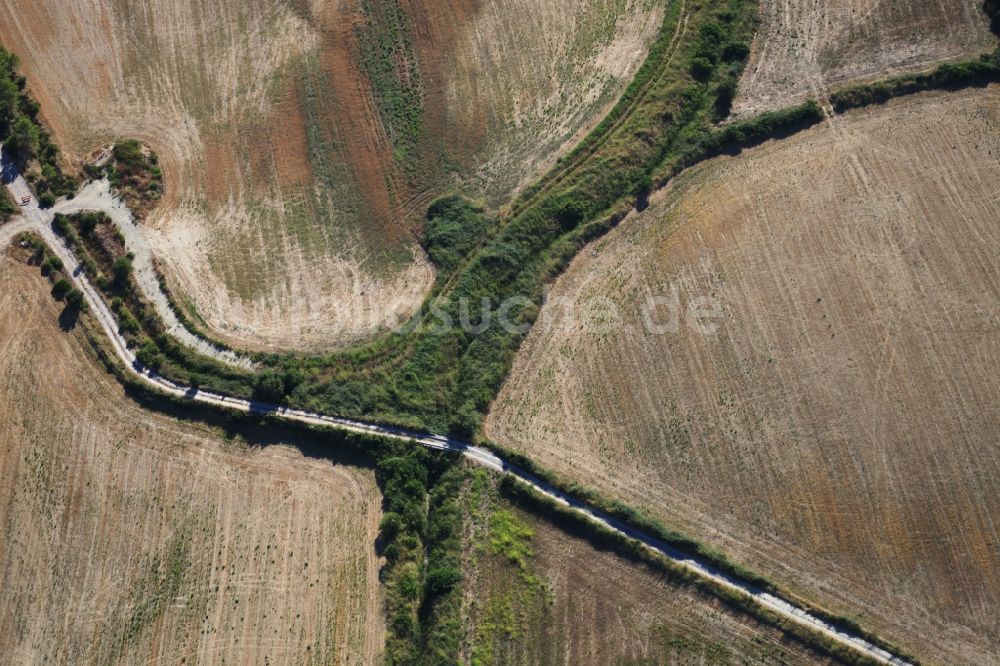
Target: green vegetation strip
(642, 522)
(22, 134)
(421, 527)
(978, 71)
(604, 538)
(443, 378)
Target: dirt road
(39, 221)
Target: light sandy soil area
(804, 48)
(838, 430)
(289, 221)
(132, 538)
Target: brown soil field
(838, 429)
(573, 604)
(804, 48)
(290, 217)
(129, 537)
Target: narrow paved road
(40, 221)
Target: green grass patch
(388, 58)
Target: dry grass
(128, 537)
(573, 604)
(838, 432)
(803, 48)
(289, 221)
(532, 78)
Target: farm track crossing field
(805, 48)
(837, 432)
(300, 142)
(131, 538)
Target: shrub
(89, 222)
(270, 387)
(51, 264)
(128, 153)
(24, 139)
(441, 580)
(992, 9)
(702, 68)
(46, 200)
(9, 95)
(127, 324)
(453, 229)
(736, 52)
(149, 355)
(61, 225)
(121, 269)
(726, 92)
(61, 288)
(75, 300)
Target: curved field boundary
(631, 99)
(660, 55)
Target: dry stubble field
(570, 603)
(839, 431)
(131, 538)
(803, 48)
(292, 209)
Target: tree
(75, 300)
(149, 355)
(24, 139)
(61, 288)
(51, 264)
(121, 269)
(270, 387)
(702, 68)
(9, 96)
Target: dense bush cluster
(22, 135)
(134, 172)
(454, 228)
(420, 535)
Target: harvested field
(293, 200)
(804, 48)
(837, 432)
(573, 604)
(132, 538)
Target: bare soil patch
(129, 537)
(838, 431)
(804, 48)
